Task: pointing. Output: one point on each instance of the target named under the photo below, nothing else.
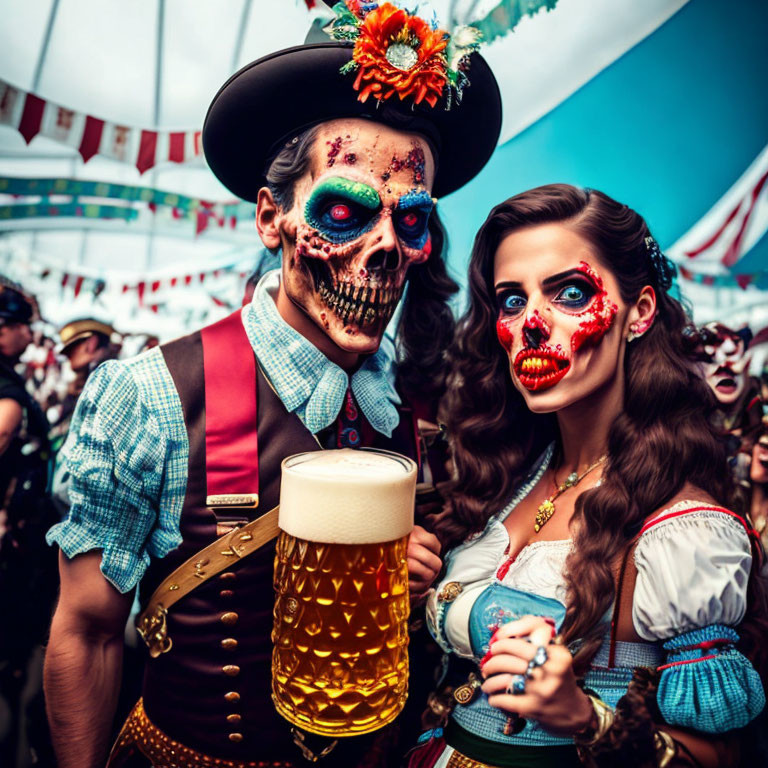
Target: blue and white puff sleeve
(690, 594)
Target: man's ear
(267, 214)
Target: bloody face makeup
(555, 313)
(598, 316)
(359, 221)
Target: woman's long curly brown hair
(661, 440)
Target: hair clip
(663, 267)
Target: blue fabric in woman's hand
(499, 605)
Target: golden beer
(340, 656)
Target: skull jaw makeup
(347, 291)
(359, 222)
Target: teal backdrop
(667, 129)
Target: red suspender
(231, 445)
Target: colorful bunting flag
(90, 136)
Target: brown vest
(212, 691)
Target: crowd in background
(52, 369)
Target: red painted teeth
(539, 369)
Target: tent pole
(159, 60)
(241, 34)
(44, 47)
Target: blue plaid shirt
(127, 448)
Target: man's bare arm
(84, 661)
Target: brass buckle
(450, 592)
(235, 543)
(154, 632)
(232, 500)
(467, 692)
(299, 739)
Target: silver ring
(539, 660)
(517, 685)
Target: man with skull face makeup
(169, 450)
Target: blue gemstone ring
(517, 685)
(539, 659)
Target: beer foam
(347, 496)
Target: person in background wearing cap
(27, 572)
(86, 343)
(344, 173)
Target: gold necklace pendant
(545, 511)
(547, 507)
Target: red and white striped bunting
(90, 136)
(717, 242)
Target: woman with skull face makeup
(595, 590)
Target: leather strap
(622, 626)
(208, 562)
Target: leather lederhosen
(211, 692)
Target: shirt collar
(305, 380)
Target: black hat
(273, 99)
(14, 308)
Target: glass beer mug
(340, 636)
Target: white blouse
(692, 571)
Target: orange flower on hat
(399, 54)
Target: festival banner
(720, 281)
(146, 288)
(89, 135)
(204, 213)
(730, 229)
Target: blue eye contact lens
(513, 302)
(574, 296)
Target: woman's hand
(551, 695)
(423, 561)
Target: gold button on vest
(229, 643)
(232, 696)
(229, 618)
(236, 737)
(234, 718)
(231, 669)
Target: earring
(633, 334)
